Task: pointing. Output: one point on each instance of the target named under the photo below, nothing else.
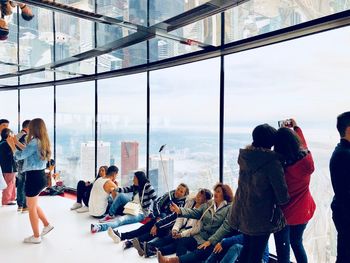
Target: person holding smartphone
(35, 155)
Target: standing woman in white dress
(35, 155)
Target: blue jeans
(122, 220)
(296, 241)
(118, 203)
(291, 236)
(21, 196)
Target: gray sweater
(211, 220)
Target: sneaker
(139, 248)
(83, 209)
(114, 235)
(150, 251)
(94, 228)
(107, 218)
(46, 230)
(76, 206)
(12, 203)
(19, 209)
(127, 244)
(32, 240)
(25, 210)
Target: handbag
(133, 208)
(3, 184)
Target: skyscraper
(168, 168)
(87, 153)
(129, 160)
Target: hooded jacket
(261, 190)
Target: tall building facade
(129, 160)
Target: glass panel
(161, 10)
(5, 69)
(73, 36)
(88, 5)
(308, 83)
(185, 116)
(206, 31)
(36, 45)
(8, 50)
(161, 48)
(30, 108)
(134, 11)
(9, 108)
(75, 129)
(256, 17)
(122, 124)
(122, 58)
(74, 70)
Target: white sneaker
(46, 230)
(32, 240)
(76, 206)
(83, 209)
(112, 235)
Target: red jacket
(301, 206)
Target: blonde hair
(37, 130)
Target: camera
(285, 123)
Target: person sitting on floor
(160, 224)
(84, 190)
(142, 194)
(229, 249)
(183, 227)
(212, 215)
(103, 193)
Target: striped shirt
(149, 195)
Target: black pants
(83, 192)
(342, 224)
(190, 244)
(143, 233)
(253, 248)
(166, 245)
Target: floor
(70, 241)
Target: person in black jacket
(160, 224)
(340, 175)
(8, 167)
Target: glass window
(305, 79)
(36, 45)
(185, 117)
(30, 108)
(257, 17)
(122, 123)
(9, 108)
(75, 132)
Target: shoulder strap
(143, 193)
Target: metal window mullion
(96, 92)
(222, 103)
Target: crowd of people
(273, 197)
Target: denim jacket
(31, 157)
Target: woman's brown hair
(226, 191)
(37, 130)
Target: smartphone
(285, 123)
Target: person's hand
(174, 233)
(293, 122)
(218, 248)
(153, 231)
(204, 245)
(174, 208)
